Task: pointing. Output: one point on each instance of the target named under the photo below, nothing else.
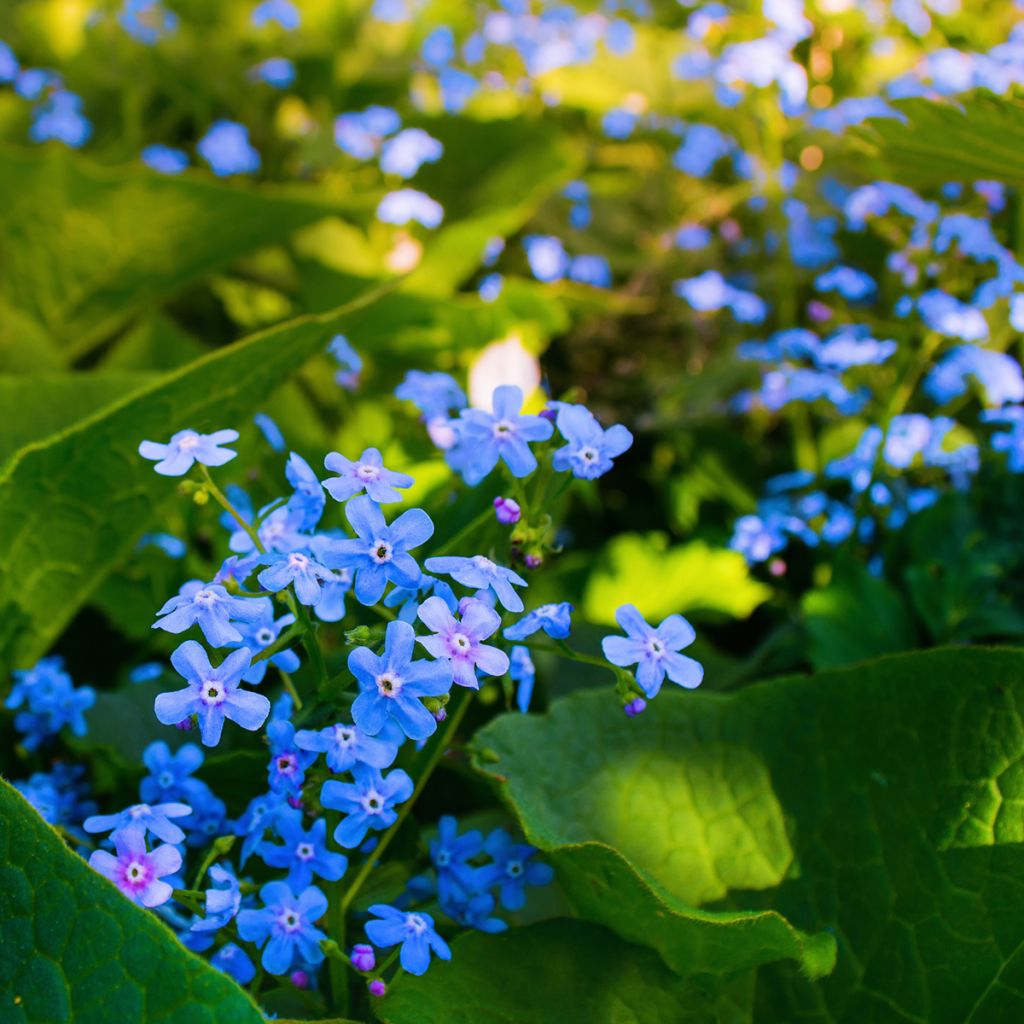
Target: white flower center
(136, 874)
(589, 454)
(212, 692)
(188, 442)
(459, 644)
(304, 851)
(297, 561)
(389, 685)
(483, 563)
(367, 473)
(655, 647)
(205, 597)
(380, 551)
(373, 802)
(415, 924)
(504, 429)
(289, 920)
(265, 637)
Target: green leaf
(85, 247)
(979, 135)
(856, 617)
(74, 948)
(41, 404)
(881, 803)
(74, 505)
(554, 972)
(692, 577)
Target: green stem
(447, 734)
(280, 643)
(292, 692)
(222, 500)
(565, 651)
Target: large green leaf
(85, 247)
(73, 948)
(38, 405)
(72, 506)
(977, 136)
(882, 803)
(555, 972)
(691, 578)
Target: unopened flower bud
(300, 979)
(533, 560)
(635, 707)
(507, 511)
(377, 987)
(363, 958)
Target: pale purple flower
(137, 871)
(186, 447)
(481, 573)
(368, 474)
(460, 643)
(142, 818)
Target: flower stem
(451, 725)
(221, 499)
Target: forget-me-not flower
(414, 932)
(186, 447)
(368, 802)
(460, 642)
(136, 871)
(480, 573)
(286, 926)
(368, 474)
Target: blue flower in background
(360, 135)
(414, 932)
(346, 745)
(547, 257)
(434, 394)
(165, 159)
(278, 72)
(212, 694)
(235, 962)
(943, 313)
(480, 573)
(451, 854)
(405, 153)
(514, 868)
(50, 701)
(8, 63)
(407, 205)
(304, 854)
(654, 650)
(271, 431)
(283, 12)
(288, 762)
(260, 633)
(147, 20)
(187, 447)
(212, 608)
(368, 802)
(223, 900)
(997, 374)
(485, 438)
(262, 813)
(350, 361)
(1010, 441)
(367, 474)
(439, 46)
(592, 270)
(554, 619)
(144, 818)
(285, 927)
(226, 148)
(590, 448)
(710, 291)
(522, 672)
(849, 282)
(296, 569)
(59, 117)
(170, 779)
(391, 684)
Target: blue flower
(278, 72)
(367, 802)
(136, 871)
(547, 257)
(286, 925)
(451, 854)
(379, 553)
(259, 634)
(460, 643)
(407, 205)
(144, 818)
(8, 63)
(367, 474)
(998, 374)
(434, 394)
(851, 283)
(304, 854)
(233, 961)
(299, 570)
(415, 933)
(350, 361)
(360, 135)
(1010, 441)
(213, 694)
(859, 466)
(223, 900)
(590, 448)
(480, 573)
(552, 618)
(710, 291)
(271, 431)
(439, 46)
(654, 650)
(592, 270)
(943, 313)
(407, 151)
(504, 434)
(391, 685)
(60, 117)
(331, 606)
(226, 148)
(173, 547)
(514, 868)
(147, 20)
(50, 700)
(346, 745)
(146, 672)
(308, 501)
(170, 775)
(284, 12)
(186, 447)
(263, 812)
(409, 598)
(211, 607)
(288, 763)
(165, 159)
(58, 796)
(523, 674)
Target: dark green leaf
(556, 972)
(881, 803)
(73, 506)
(977, 136)
(74, 949)
(85, 247)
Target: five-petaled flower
(392, 684)
(186, 447)
(287, 926)
(304, 853)
(481, 573)
(367, 803)
(460, 642)
(213, 694)
(554, 619)
(367, 474)
(379, 553)
(142, 818)
(212, 608)
(590, 448)
(346, 745)
(137, 871)
(654, 650)
(414, 932)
